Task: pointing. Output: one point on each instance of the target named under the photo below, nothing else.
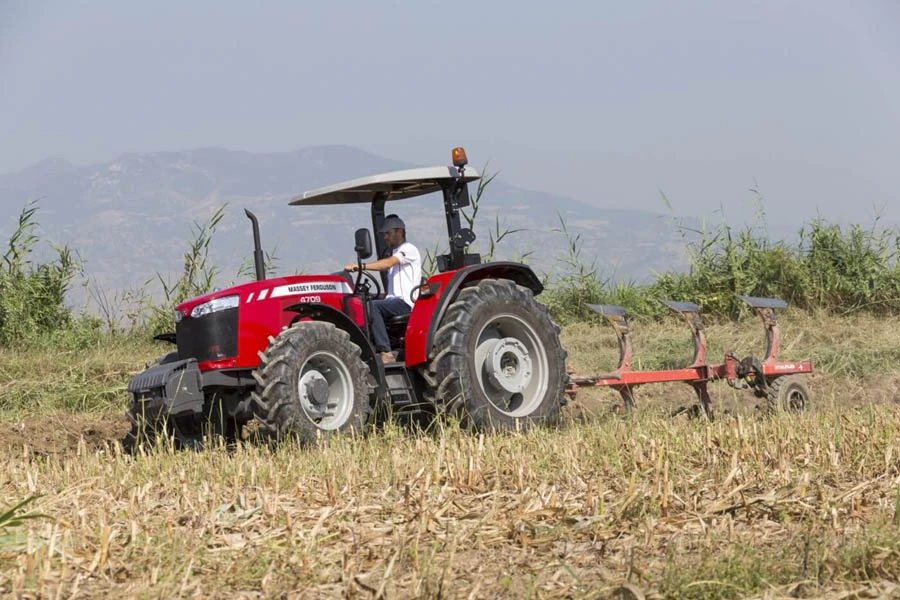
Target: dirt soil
(62, 433)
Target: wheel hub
(508, 366)
(796, 400)
(314, 387)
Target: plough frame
(747, 373)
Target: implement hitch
(765, 377)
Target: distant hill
(132, 217)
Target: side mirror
(363, 241)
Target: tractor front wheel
(312, 383)
(498, 363)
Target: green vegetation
(11, 537)
(33, 295)
(839, 270)
(196, 277)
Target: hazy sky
(608, 102)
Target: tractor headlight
(207, 308)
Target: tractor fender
(329, 314)
(417, 352)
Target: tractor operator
(404, 267)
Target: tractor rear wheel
(312, 383)
(498, 363)
(789, 393)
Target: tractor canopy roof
(396, 184)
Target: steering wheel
(367, 281)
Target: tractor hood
(256, 291)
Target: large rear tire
(498, 363)
(312, 384)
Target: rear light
(213, 306)
(428, 289)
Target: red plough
(770, 378)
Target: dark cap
(392, 222)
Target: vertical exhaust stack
(257, 247)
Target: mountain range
(132, 218)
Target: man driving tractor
(404, 268)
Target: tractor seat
(398, 321)
(396, 330)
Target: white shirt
(406, 275)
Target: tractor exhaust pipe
(257, 247)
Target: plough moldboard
(768, 377)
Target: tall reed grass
(832, 268)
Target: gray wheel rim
(511, 365)
(794, 398)
(325, 389)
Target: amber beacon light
(459, 157)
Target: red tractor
(296, 353)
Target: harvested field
(791, 505)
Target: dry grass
(47, 379)
(792, 505)
(746, 505)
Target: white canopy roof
(397, 185)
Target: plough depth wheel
(789, 393)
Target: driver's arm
(379, 265)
